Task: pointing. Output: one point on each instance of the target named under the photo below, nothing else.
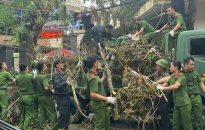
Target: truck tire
(76, 116)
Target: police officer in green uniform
(174, 26)
(98, 95)
(25, 81)
(182, 103)
(62, 92)
(46, 104)
(193, 80)
(143, 27)
(5, 77)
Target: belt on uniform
(3, 89)
(194, 95)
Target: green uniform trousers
(182, 114)
(3, 104)
(163, 38)
(26, 109)
(196, 109)
(148, 36)
(36, 105)
(101, 115)
(47, 111)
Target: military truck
(188, 43)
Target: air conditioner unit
(16, 54)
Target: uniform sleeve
(144, 24)
(45, 82)
(198, 77)
(93, 85)
(179, 19)
(16, 82)
(181, 79)
(168, 81)
(8, 76)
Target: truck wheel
(203, 116)
(76, 116)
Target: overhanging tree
(35, 14)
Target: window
(197, 47)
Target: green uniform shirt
(147, 27)
(5, 77)
(95, 84)
(41, 81)
(173, 21)
(180, 95)
(25, 83)
(192, 80)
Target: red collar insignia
(95, 73)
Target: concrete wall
(200, 16)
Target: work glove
(159, 87)
(152, 50)
(157, 31)
(34, 72)
(133, 37)
(112, 57)
(171, 33)
(111, 100)
(68, 81)
(134, 72)
(154, 83)
(52, 91)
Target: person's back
(25, 83)
(47, 109)
(86, 20)
(99, 32)
(41, 80)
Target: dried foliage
(136, 98)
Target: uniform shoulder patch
(93, 75)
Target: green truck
(188, 43)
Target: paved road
(124, 124)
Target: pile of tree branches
(136, 98)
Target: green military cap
(163, 63)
